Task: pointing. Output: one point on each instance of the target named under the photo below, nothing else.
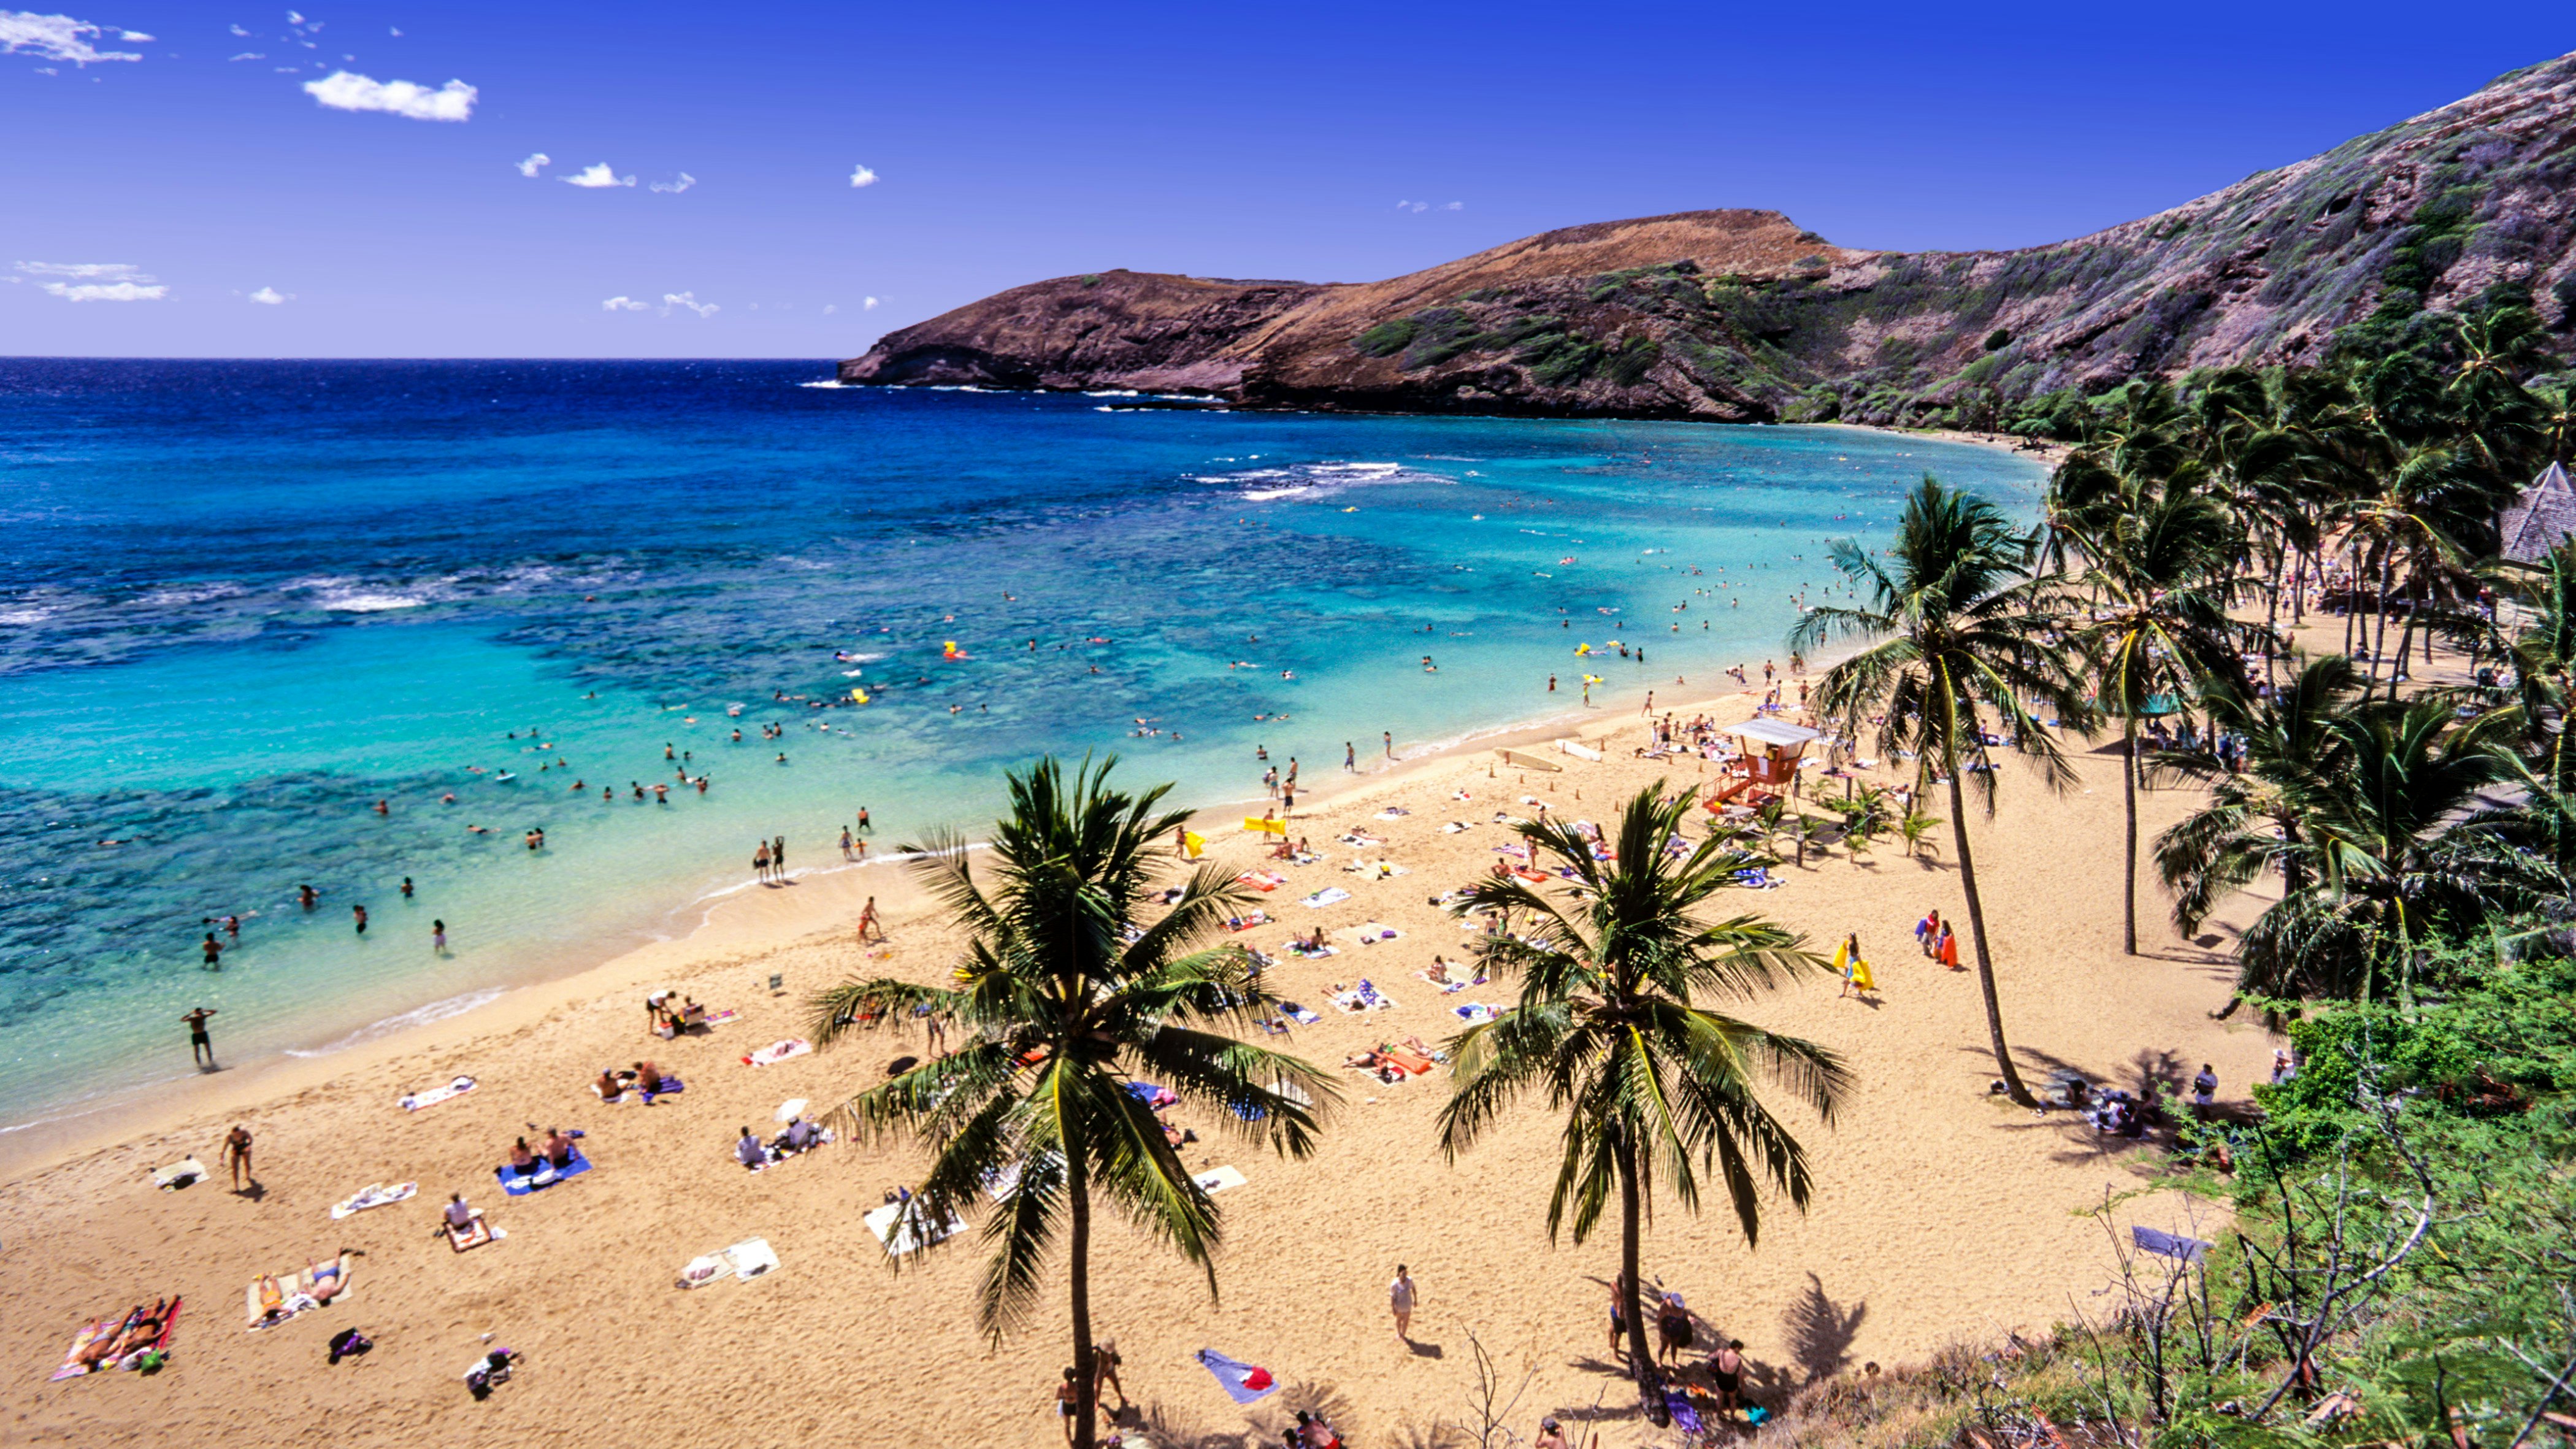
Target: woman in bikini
(523, 1161)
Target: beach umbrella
(1243, 1382)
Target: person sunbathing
(110, 1346)
(521, 1159)
(648, 1078)
(140, 1330)
(559, 1148)
(272, 1301)
(608, 1087)
(331, 1279)
(800, 1136)
(747, 1151)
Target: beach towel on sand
(373, 1195)
(518, 1184)
(903, 1230)
(178, 1174)
(1329, 895)
(751, 1258)
(1476, 1013)
(1299, 1014)
(1218, 1179)
(1242, 1382)
(778, 1051)
(435, 1095)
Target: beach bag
(349, 1343)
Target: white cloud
(828, 308)
(271, 297)
(110, 292)
(536, 162)
(118, 271)
(346, 91)
(869, 306)
(137, 36)
(1455, 206)
(624, 304)
(598, 175)
(863, 177)
(55, 37)
(237, 30)
(676, 187)
(396, 34)
(690, 301)
(251, 55)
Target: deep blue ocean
(242, 602)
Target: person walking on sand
(2204, 1089)
(1064, 1408)
(1549, 1435)
(1854, 970)
(1949, 948)
(1350, 758)
(201, 1047)
(868, 922)
(1399, 1300)
(1927, 933)
(237, 1157)
(1104, 1370)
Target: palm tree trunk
(2379, 642)
(2129, 794)
(1977, 937)
(1086, 1379)
(1641, 1360)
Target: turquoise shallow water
(242, 602)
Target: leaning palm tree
(1065, 996)
(2160, 567)
(1963, 630)
(1653, 1084)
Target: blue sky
(1014, 142)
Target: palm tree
(2161, 567)
(1652, 1083)
(2255, 816)
(1963, 629)
(1064, 997)
(2392, 842)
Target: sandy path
(1939, 1213)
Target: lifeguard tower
(1772, 751)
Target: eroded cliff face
(1742, 316)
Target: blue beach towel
(1299, 1014)
(1242, 1382)
(2168, 1244)
(518, 1185)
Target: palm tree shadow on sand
(1821, 1331)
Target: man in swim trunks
(331, 1279)
(201, 1047)
(214, 950)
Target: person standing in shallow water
(438, 938)
(201, 1047)
(778, 857)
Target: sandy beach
(1940, 1214)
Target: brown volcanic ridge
(1741, 316)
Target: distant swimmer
(448, 798)
(737, 737)
(702, 784)
(661, 793)
(384, 807)
(214, 953)
(578, 786)
(307, 895)
(360, 912)
(406, 888)
(606, 794)
(782, 757)
(864, 826)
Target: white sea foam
(365, 603)
(26, 616)
(405, 1021)
(826, 382)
